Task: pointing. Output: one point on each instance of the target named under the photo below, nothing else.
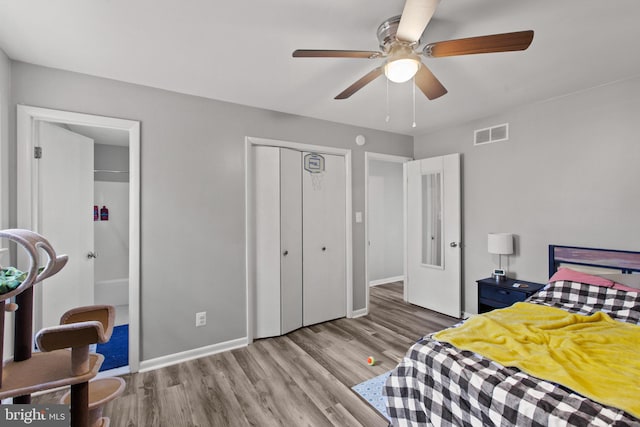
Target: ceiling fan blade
(506, 42)
(368, 78)
(312, 53)
(428, 83)
(415, 17)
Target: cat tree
(55, 366)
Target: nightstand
(492, 294)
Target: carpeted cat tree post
(55, 365)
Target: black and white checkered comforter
(437, 384)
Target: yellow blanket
(595, 355)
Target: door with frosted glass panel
(433, 234)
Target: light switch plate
(201, 318)
(358, 216)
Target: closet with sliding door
(300, 232)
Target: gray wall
(192, 185)
(5, 95)
(569, 175)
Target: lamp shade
(402, 63)
(500, 243)
(401, 70)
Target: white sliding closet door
(324, 231)
(290, 239)
(267, 222)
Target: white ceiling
(106, 136)
(240, 51)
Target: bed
(438, 384)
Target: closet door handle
(324, 248)
(285, 253)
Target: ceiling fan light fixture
(402, 63)
(399, 39)
(401, 70)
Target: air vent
(492, 134)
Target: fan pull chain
(388, 116)
(414, 101)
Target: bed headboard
(601, 260)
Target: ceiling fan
(399, 39)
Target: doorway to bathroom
(80, 189)
(111, 235)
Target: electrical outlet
(201, 318)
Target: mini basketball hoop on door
(314, 164)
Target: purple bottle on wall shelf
(96, 216)
(104, 214)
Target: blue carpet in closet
(116, 350)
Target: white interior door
(291, 286)
(433, 234)
(324, 236)
(65, 181)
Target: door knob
(285, 253)
(92, 255)
(324, 248)
(453, 244)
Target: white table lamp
(500, 244)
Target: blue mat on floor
(116, 350)
(371, 391)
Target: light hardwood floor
(300, 379)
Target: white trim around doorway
(250, 229)
(27, 194)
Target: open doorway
(385, 219)
(111, 235)
(110, 175)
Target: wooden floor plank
(302, 378)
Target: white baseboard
(359, 313)
(466, 315)
(172, 359)
(386, 280)
(115, 372)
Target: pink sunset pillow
(620, 287)
(570, 275)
